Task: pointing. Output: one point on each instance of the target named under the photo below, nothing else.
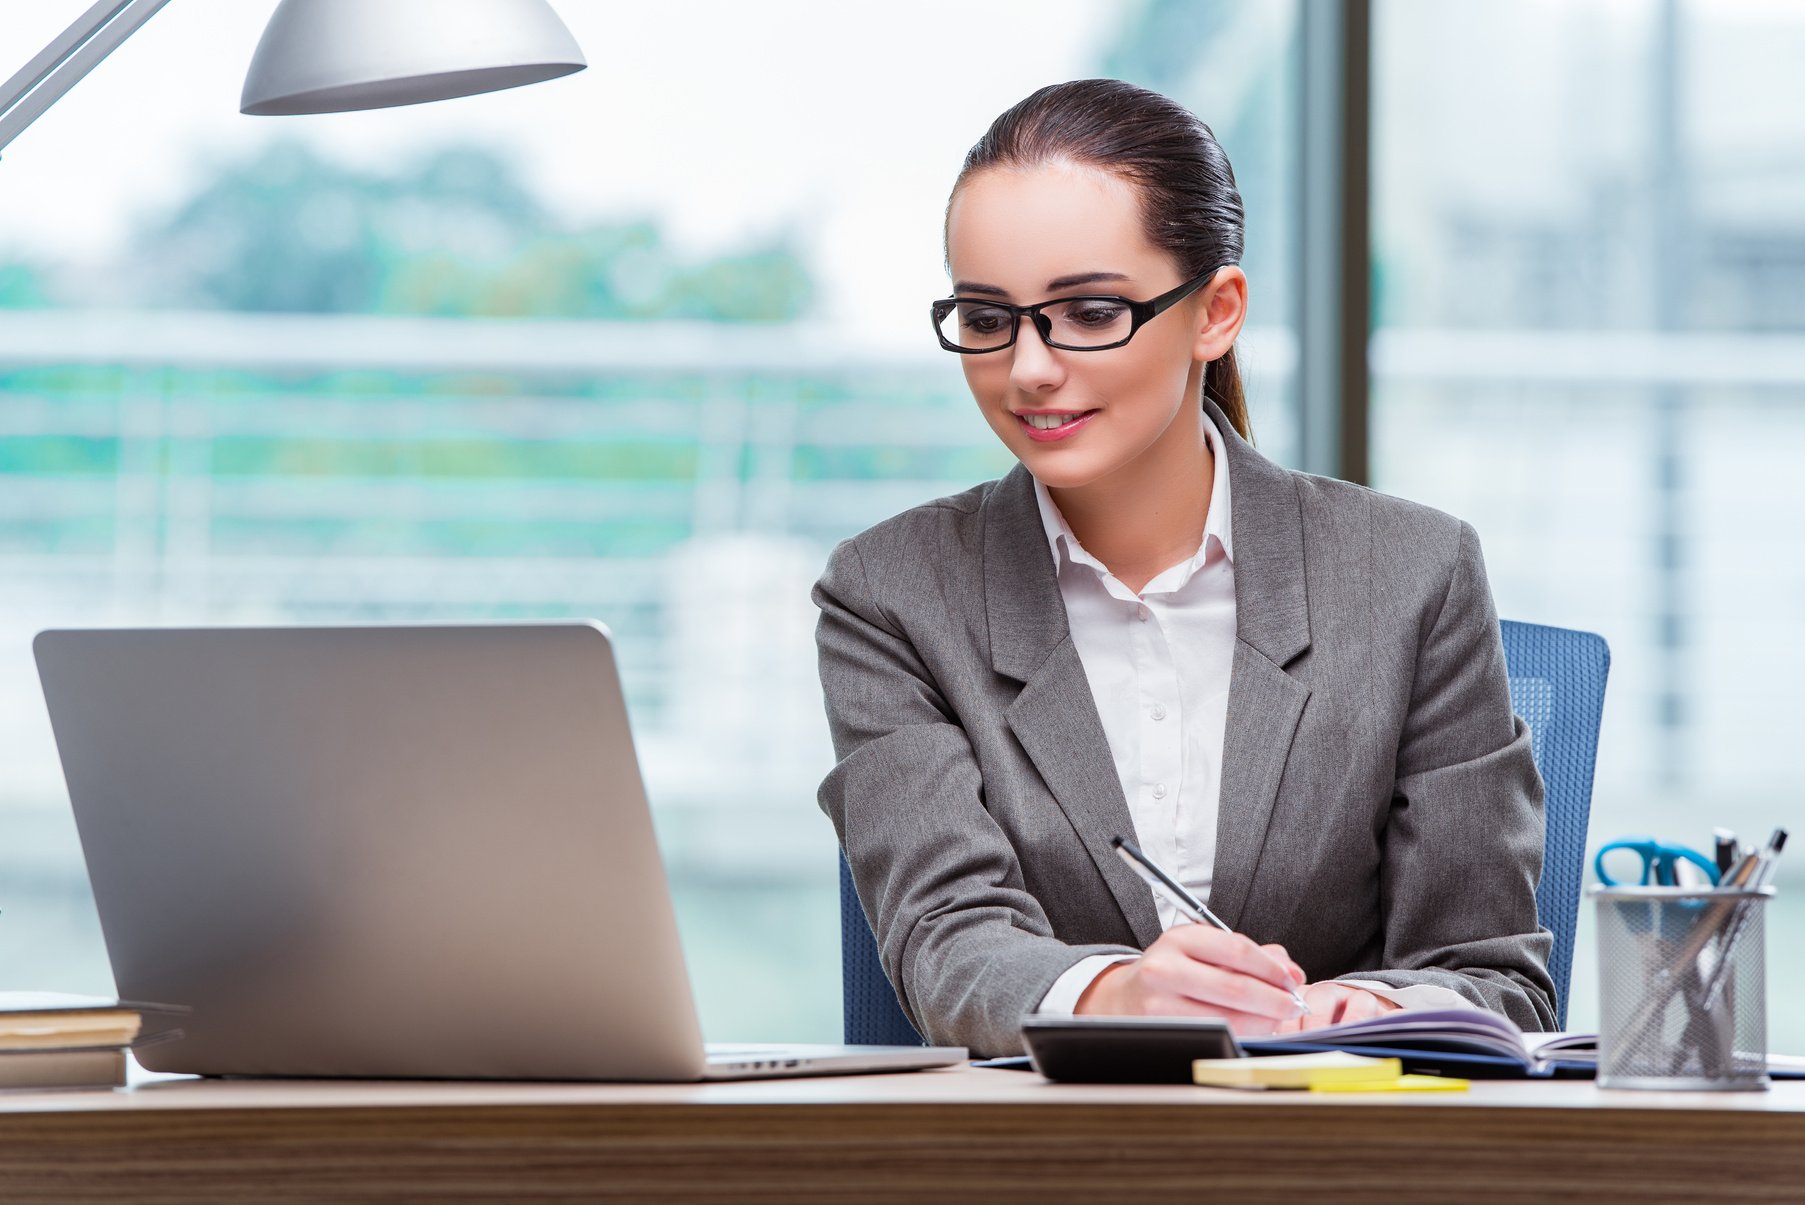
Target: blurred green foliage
(22, 286)
(457, 234)
(65, 454)
(438, 457)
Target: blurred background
(643, 343)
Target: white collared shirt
(1158, 665)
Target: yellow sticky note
(1403, 1083)
(1292, 1070)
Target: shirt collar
(1219, 522)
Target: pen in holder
(1682, 987)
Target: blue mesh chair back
(1557, 679)
(872, 1015)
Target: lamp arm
(70, 56)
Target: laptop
(387, 851)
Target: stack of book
(55, 1040)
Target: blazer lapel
(1055, 715)
(1272, 627)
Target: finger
(1231, 951)
(1293, 1024)
(1180, 975)
(1360, 1006)
(1278, 952)
(1246, 1025)
(1324, 1000)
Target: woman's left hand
(1333, 1003)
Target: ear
(1220, 313)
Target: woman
(1288, 690)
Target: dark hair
(1190, 206)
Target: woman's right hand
(1195, 970)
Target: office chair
(1557, 680)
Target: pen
(1188, 905)
(1757, 878)
(1769, 856)
(1727, 852)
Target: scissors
(1660, 863)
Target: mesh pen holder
(1682, 979)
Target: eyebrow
(1063, 282)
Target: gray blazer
(1381, 816)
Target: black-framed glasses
(1092, 322)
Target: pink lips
(1065, 431)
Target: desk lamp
(330, 56)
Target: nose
(1036, 366)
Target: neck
(1149, 514)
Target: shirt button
(1159, 712)
(1159, 790)
(1141, 612)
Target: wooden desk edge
(888, 1137)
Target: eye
(983, 321)
(1094, 313)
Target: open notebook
(1465, 1041)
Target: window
(1589, 236)
(570, 350)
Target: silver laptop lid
(402, 851)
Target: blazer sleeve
(967, 948)
(1462, 849)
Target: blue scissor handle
(1657, 860)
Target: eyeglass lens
(1078, 322)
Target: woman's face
(1022, 230)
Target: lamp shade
(333, 56)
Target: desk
(959, 1133)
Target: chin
(1061, 472)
